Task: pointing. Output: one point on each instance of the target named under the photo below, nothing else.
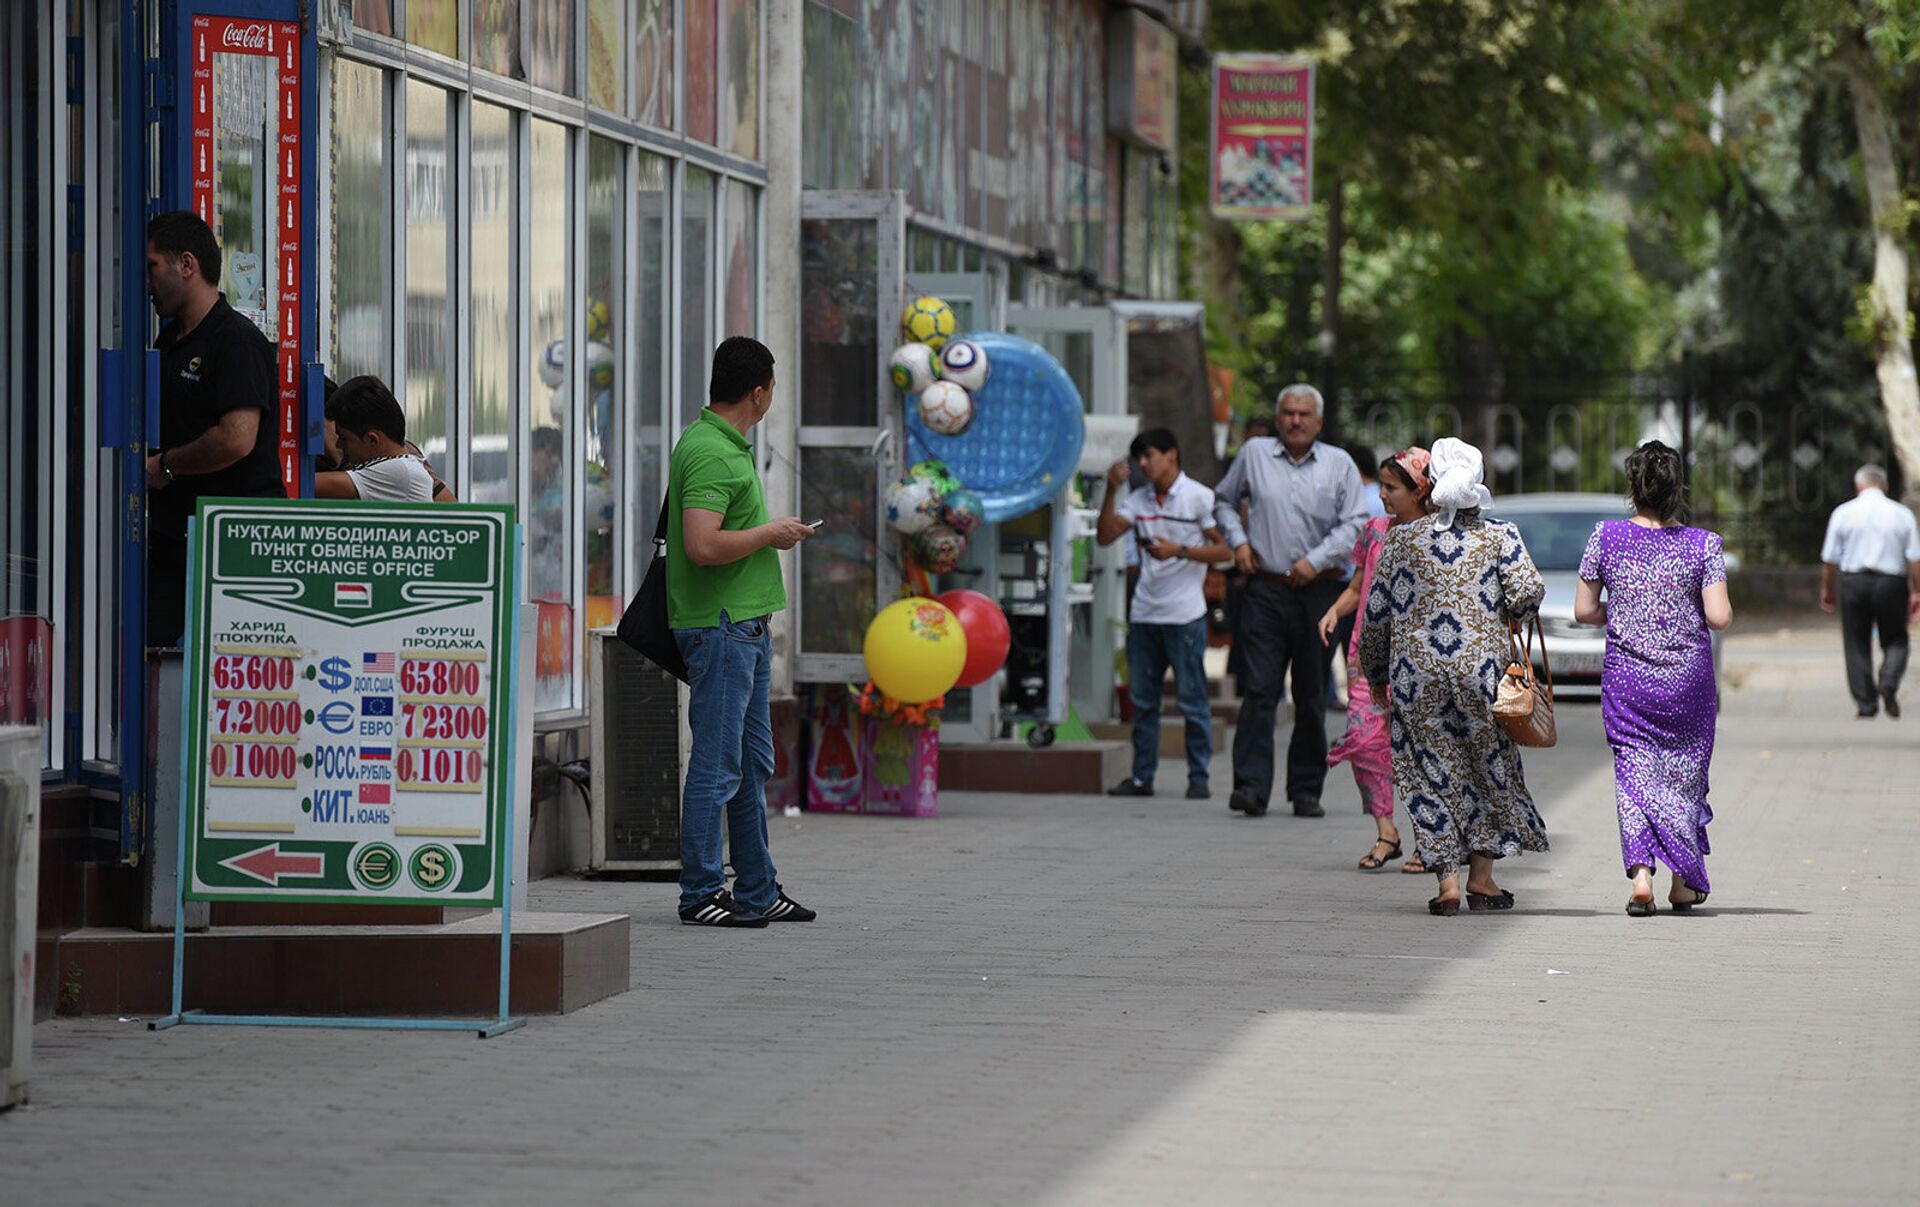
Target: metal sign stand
(485, 1028)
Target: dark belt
(1869, 574)
(1323, 576)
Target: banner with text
(1262, 146)
(348, 692)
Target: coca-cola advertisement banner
(279, 41)
(1262, 148)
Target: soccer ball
(928, 321)
(964, 363)
(599, 367)
(912, 505)
(914, 367)
(939, 549)
(946, 408)
(553, 365)
(963, 511)
(599, 318)
(935, 472)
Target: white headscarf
(1456, 468)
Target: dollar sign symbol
(333, 674)
(433, 867)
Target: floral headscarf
(1413, 462)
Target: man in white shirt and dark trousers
(1305, 509)
(1873, 551)
(1171, 519)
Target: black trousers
(1871, 601)
(1279, 628)
(166, 588)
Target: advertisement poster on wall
(1262, 145)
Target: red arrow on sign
(268, 864)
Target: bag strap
(660, 529)
(1546, 664)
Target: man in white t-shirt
(1171, 519)
(369, 427)
(1870, 571)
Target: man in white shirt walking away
(1171, 518)
(1872, 554)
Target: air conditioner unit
(639, 745)
(20, 757)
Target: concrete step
(1173, 733)
(561, 962)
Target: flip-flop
(1369, 864)
(1484, 902)
(1641, 909)
(1684, 907)
(1415, 866)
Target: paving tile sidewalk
(1079, 1000)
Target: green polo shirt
(713, 470)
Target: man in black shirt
(217, 408)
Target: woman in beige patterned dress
(1434, 645)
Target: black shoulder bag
(646, 625)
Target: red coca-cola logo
(244, 37)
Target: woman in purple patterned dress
(1666, 585)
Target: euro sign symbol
(433, 868)
(334, 675)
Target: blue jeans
(1151, 649)
(728, 670)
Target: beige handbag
(1522, 704)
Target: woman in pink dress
(1403, 492)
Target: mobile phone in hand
(815, 523)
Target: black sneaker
(1308, 806)
(788, 910)
(1246, 802)
(1198, 791)
(721, 910)
(1130, 787)
(1892, 702)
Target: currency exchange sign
(347, 697)
(1261, 153)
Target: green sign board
(349, 702)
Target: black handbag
(647, 625)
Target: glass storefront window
(696, 292)
(741, 268)
(360, 326)
(550, 461)
(496, 37)
(838, 588)
(652, 348)
(741, 103)
(606, 326)
(431, 24)
(429, 292)
(703, 46)
(246, 179)
(653, 60)
(374, 16)
(494, 222)
(839, 323)
(549, 43)
(607, 54)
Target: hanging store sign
(246, 133)
(1262, 145)
(1143, 79)
(349, 702)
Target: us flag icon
(353, 595)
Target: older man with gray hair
(1305, 509)
(1873, 551)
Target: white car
(1555, 528)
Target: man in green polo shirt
(723, 584)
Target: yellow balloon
(915, 650)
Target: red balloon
(987, 635)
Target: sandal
(1683, 907)
(1441, 908)
(1640, 909)
(1483, 902)
(1373, 863)
(1414, 866)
